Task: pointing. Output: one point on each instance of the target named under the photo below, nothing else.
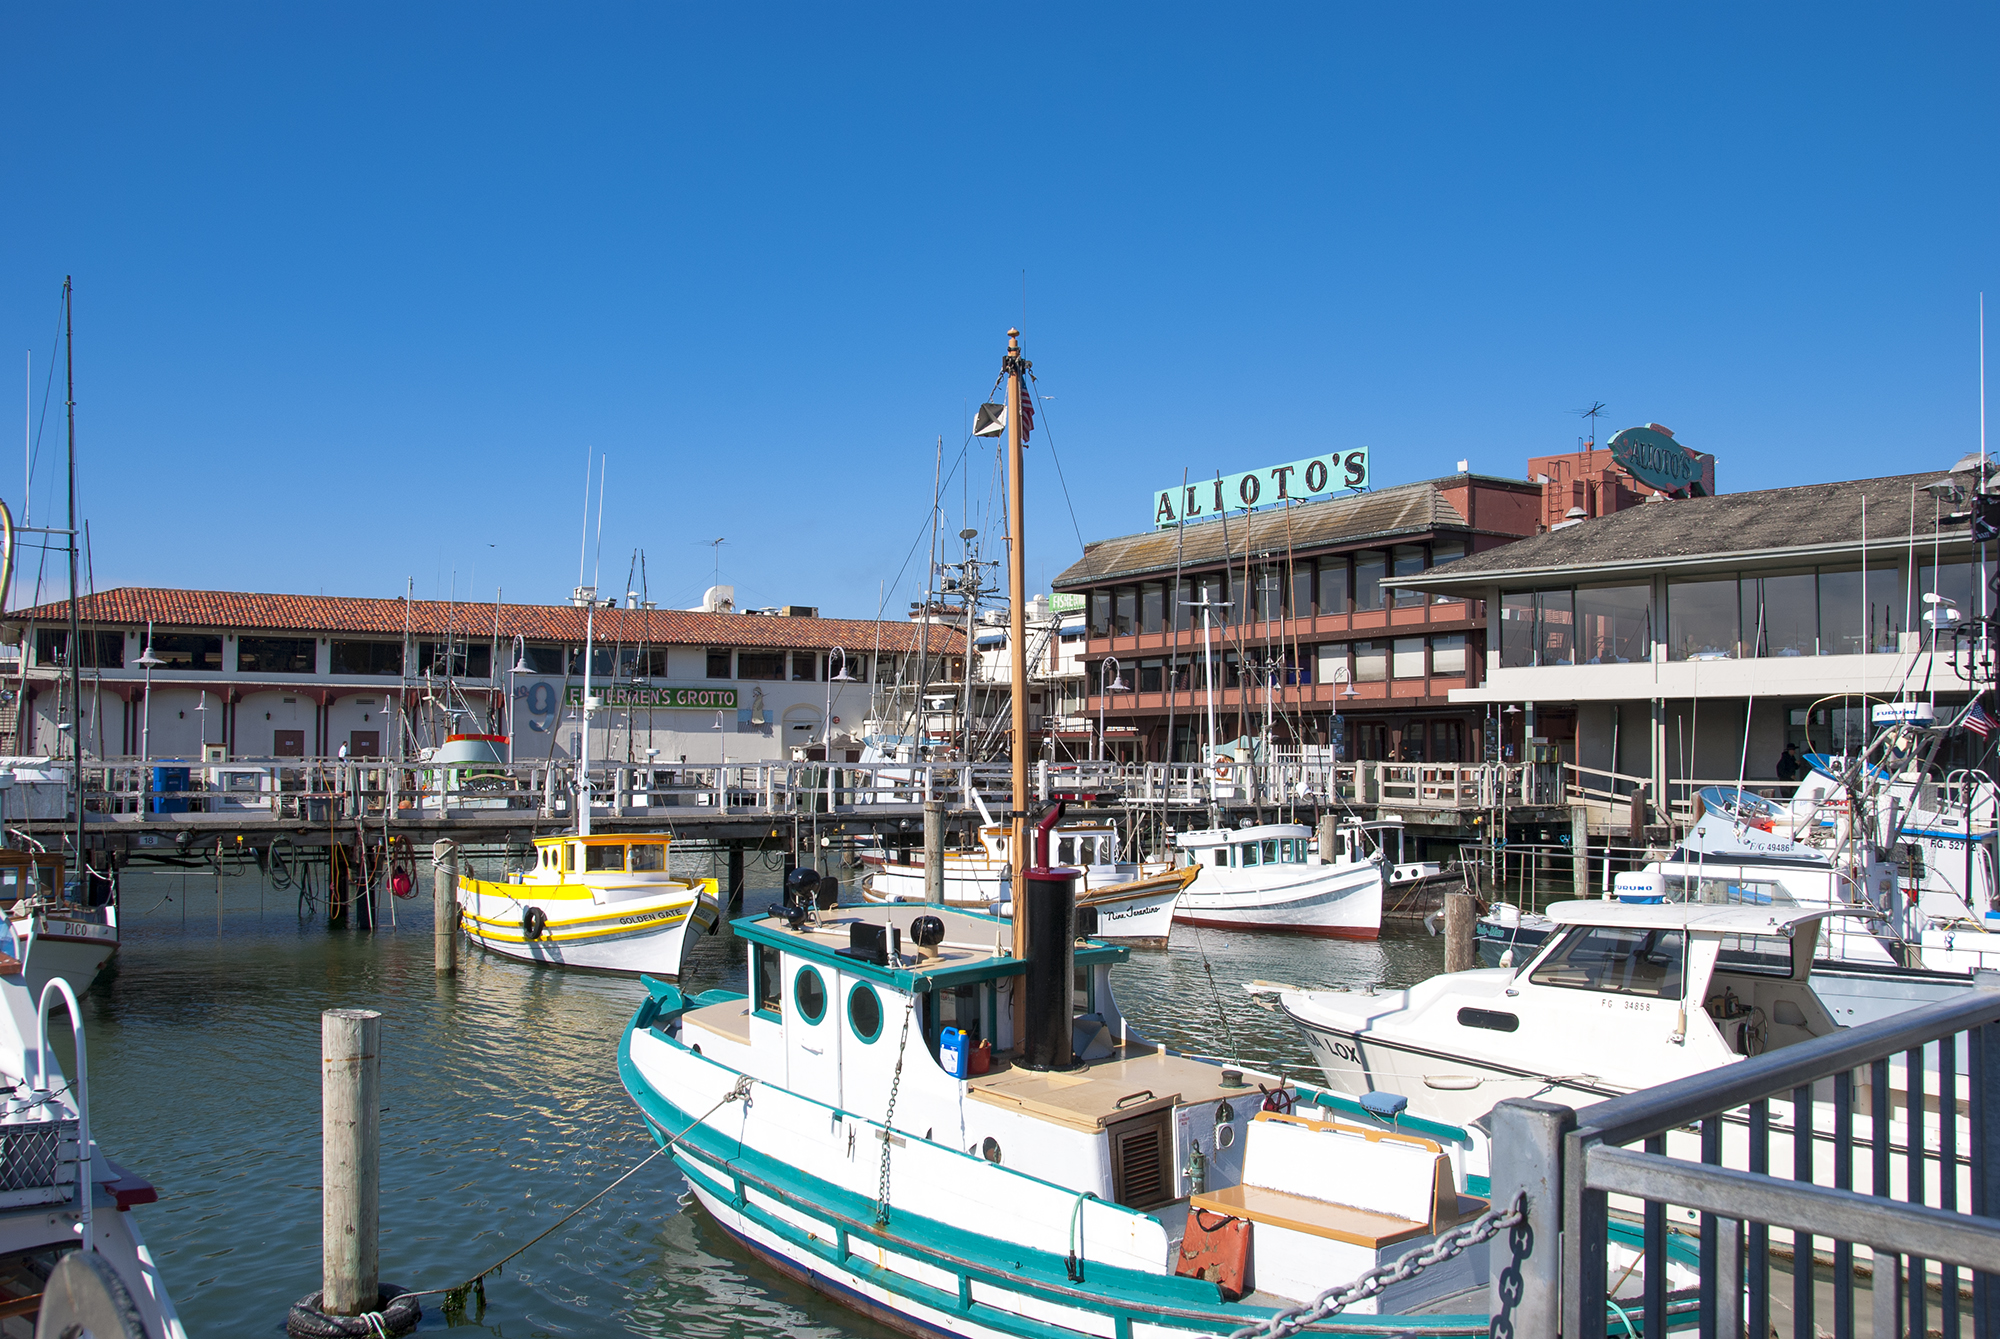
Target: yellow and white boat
(605, 903)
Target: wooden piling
(735, 876)
(934, 852)
(444, 906)
(1460, 914)
(350, 1132)
(1579, 850)
(1329, 836)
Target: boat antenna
(75, 628)
(583, 539)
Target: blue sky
(358, 286)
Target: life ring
(533, 922)
(401, 884)
(1221, 771)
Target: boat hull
(651, 935)
(76, 951)
(1140, 912)
(1331, 901)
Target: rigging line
(48, 390)
(1049, 436)
(963, 449)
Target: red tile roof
(322, 614)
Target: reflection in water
(502, 1108)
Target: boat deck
(1132, 1083)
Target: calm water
(502, 1111)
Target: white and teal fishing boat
(944, 1121)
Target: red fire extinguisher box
(1216, 1247)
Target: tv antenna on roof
(715, 544)
(1596, 408)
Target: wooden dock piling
(1460, 915)
(934, 852)
(444, 906)
(350, 1167)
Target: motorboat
(71, 1251)
(1268, 877)
(1133, 899)
(1413, 887)
(603, 902)
(467, 771)
(62, 928)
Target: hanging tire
(398, 1313)
(534, 921)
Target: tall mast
(75, 622)
(1017, 640)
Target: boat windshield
(1625, 960)
(597, 858)
(649, 857)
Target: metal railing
(1716, 1150)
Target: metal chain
(1373, 1282)
(895, 1084)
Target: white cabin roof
(1230, 836)
(1699, 917)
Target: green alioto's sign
(1302, 480)
(625, 696)
(1652, 456)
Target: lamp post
(826, 725)
(1104, 690)
(147, 662)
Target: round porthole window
(864, 1012)
(1225, 1136)
(989, 1149)
(809, 994)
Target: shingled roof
(1406, 509)
(1806, 523)
(321, 614)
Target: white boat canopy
(1699, 917)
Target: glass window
(1333, 585)
(1408, 560)
(1614, 624)
(1760, 955)
(1271, 851)
(1409, 657)
(770, 981)
(1302, 589)
(1152, 599)
(1124, 611)
(1622, 959)
(718, 664)
(1246, 854)
(274, 655)
(597, 859)
(1151, 673)
(1447, 551)
(1966, 589)
(1100, 613)
(1517, 629)
(1214, 589)
(1332, 660)
(1371, 662)
(864, 1012)
(1448, 653)
(1413, 742)
(1555, 616)
(457, 660)
(1179, 594)
(1701, 620)
(1447, 741)
(806, 666)
(648, 859)
(543, 659)
(760, 664)
(103, 650)
(348, 657)
(1270, 594)
(809, 994)
(1781, 615)
(1370, 566)
(1851, 620)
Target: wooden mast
(75, 621)
(1017, 638)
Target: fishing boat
(59, 932)
(1133, 900)
(944, 1121)
(606, 903)
(1268, 877)
(72, 1257)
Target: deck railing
(1928, 1223)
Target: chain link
(895, 1084)
(1374, 1282)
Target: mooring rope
(455, 1296)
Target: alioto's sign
(625, 696)
(1652, 456)
(1321, 476)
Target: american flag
(1977, 721)
(1027, 408)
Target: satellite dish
(85, 1296)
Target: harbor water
(502, 1107)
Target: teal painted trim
(799, 996)
(774, 934)
(1481, 1186)
(1347, 1106)
(854, 994)
(1155, 1298)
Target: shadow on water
(502, 1108)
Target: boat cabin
(1251, 847)
(31, 874)
(556, 858)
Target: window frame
(853, 994)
